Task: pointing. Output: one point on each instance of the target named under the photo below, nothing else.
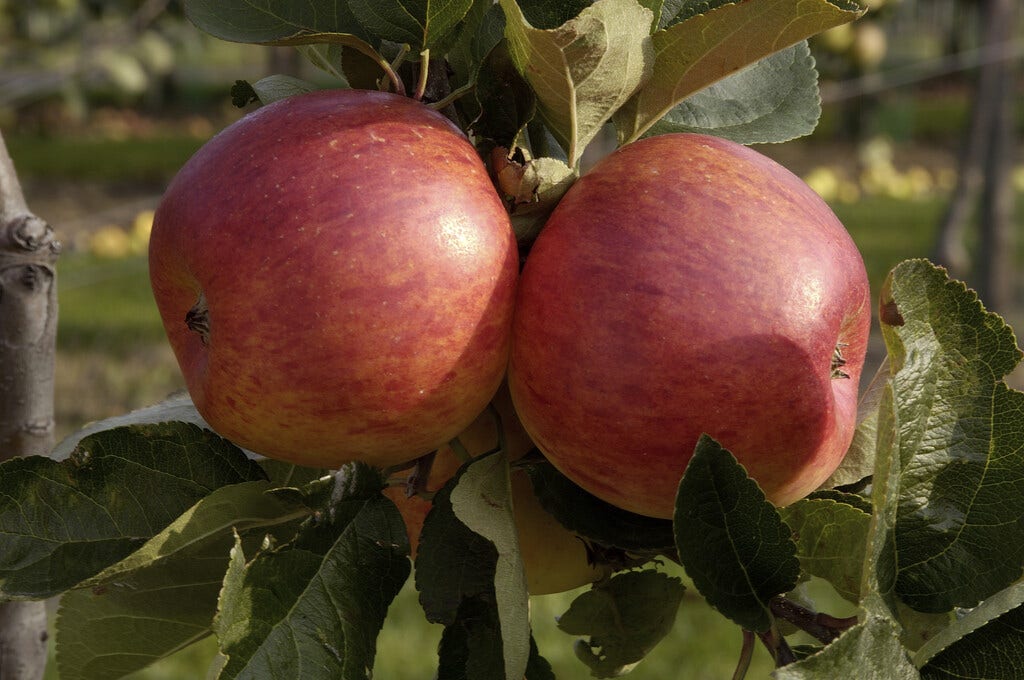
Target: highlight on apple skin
(690, 285)
(336, 275)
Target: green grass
(135, 160)
(106, 304)
(112, 355)
(888, 231)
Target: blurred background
(101, 101)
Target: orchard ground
(113, 356)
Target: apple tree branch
(28, 331)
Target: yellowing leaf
(705, 48)
(585, 69)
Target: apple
(555, 559)
(336, 275)
(690, 285)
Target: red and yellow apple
(336, 275)
(690, 285)
(555, 559)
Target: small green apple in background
(690, 285)
(555, 559)
(869, 45)
(336, 275)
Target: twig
(822, 627)
(746, 656)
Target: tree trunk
(28, 331)
(997, 244)
(950, 249)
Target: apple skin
(359, 273)
(555, 559)
(689, 285)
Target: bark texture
(28, 330)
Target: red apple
(690, 285)
(336, 275)
(555, 559)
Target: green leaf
(273, 88)
(853, 499)
(471, 645)
(236, 508)
(871, 650)
(283, 474)
(262, 22)
(675, 11)
(772, 100)
(243, 94)
(470, 577)
(329, 59)
(177, 408)
(987, 642)
(351, 47)
(596, 520)
(878, 588)
(624, 618)
(916, 628)
(163, 597)
(958, 442)
(859, 461)
(482, 500)
(321, 29)
(62, 522)
(506, 101)
(545, 14)
(585, 69)
(423, 24)
(453, 562)
(731, 540)
(314, 607)
(830, 538)
(705, 48)
(481, 29)
(117, 629)
(538, 668)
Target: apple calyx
(198, 319)
(838, 361)
(610, 557)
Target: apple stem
(460, 450)
(493, 410)
(421, 84)
(396, 82)
(777, 646)
(388, 68)
(416, 484)
(198, 319)
(452, 97)
(746, 655)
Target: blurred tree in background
(124, 49)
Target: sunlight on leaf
(584, 70)
(706, 48)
